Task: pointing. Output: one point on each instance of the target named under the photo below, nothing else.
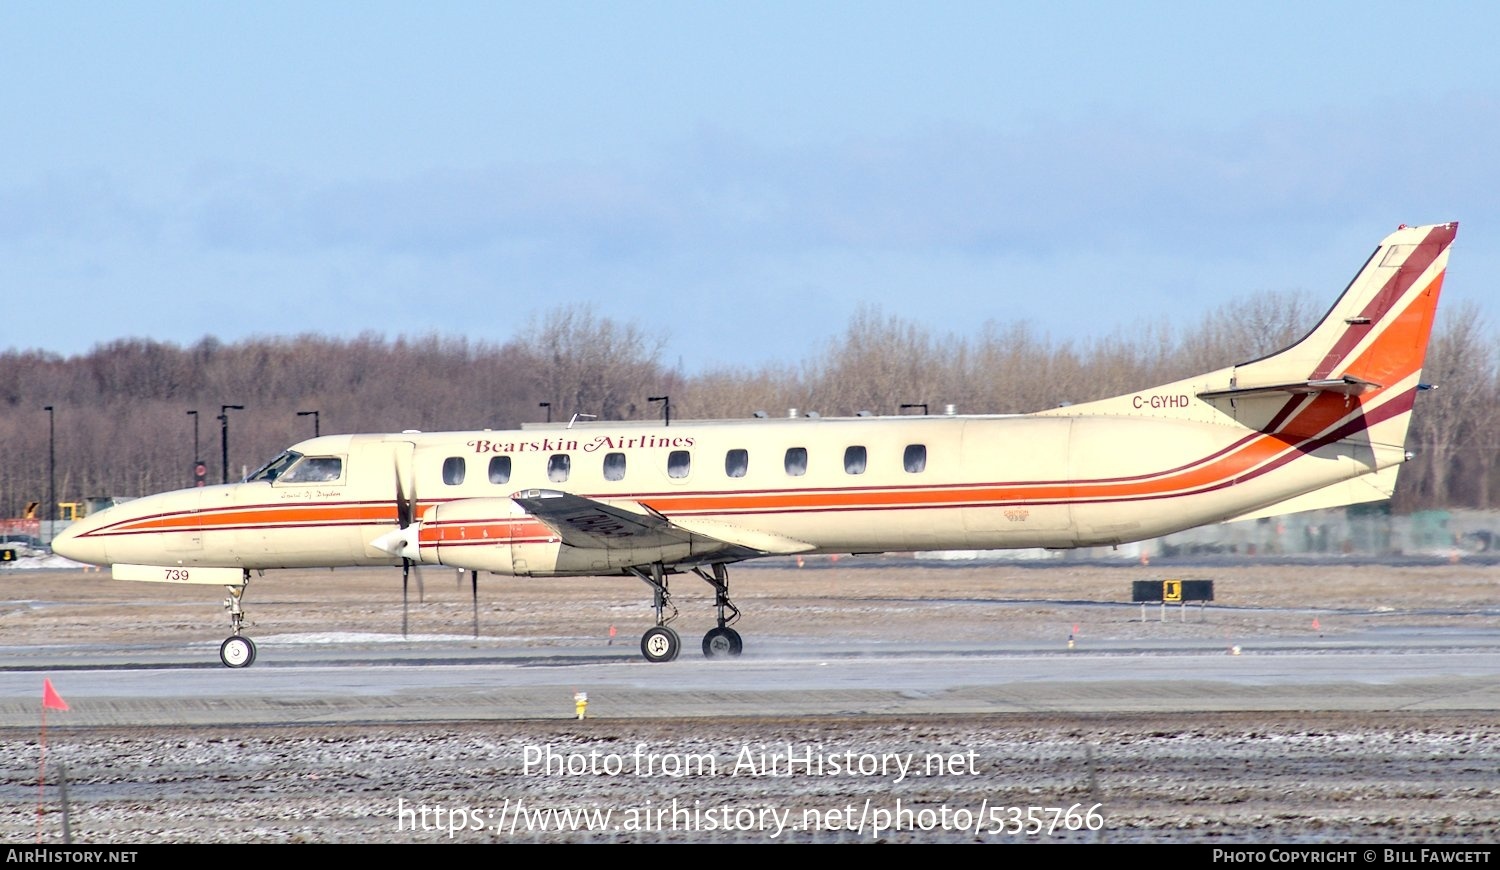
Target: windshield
(273, 469)
(315, 469)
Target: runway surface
(390, 680)
(1368, 716)
(817, 656)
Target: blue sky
(738, 178)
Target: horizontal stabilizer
(1348, 385)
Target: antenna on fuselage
(576, 416)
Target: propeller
(403, 542)
(405, 516)
(474, 579)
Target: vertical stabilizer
(1376, 334)
(1345, 390)
(1362, 363)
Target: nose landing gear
(237, 651)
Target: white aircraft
(1320, 424)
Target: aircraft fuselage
(834, 485)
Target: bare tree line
(123, 426)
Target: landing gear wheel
(660, 644)
(722, 643)
(237, 651)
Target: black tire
(237, 651)
(660, 644)
(722, 643)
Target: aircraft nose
(72, 543)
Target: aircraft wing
(589, 523)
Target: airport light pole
(314, 415)
(666, 408)
(51, 471)
(548, 406)
(224, 439)
(196, 461)
(922, 405)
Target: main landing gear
(662, 643)
(237, 651)
(721, 641)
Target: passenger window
(453, 470)
(500, 469)
(915, 459)
(854, 460)
(315, 469)
(736, 463)
(796, 461)
(678, 464)
(614, 466)
(558, 466)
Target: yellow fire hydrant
(580, 702)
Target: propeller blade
(403, 506)
(404, 543)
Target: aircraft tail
(1348, 386)
(1360, 368)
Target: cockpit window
(315, 469)
(274, 469)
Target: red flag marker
(50, 699)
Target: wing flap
(592, 524)
(753, 541)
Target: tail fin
(1375, 336)
(1347, 387)
(1371, 346)
(1361, 367)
